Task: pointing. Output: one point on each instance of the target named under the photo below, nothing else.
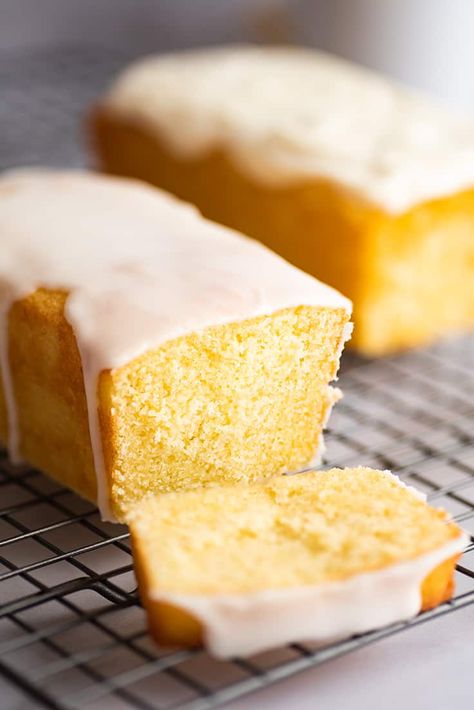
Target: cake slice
(144, 349)
(352, 178)
(312, 557)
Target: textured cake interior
(411, 276)
(232, 402)
(286, 532)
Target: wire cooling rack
(72, 632)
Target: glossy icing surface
(140, 268)
(287, 114)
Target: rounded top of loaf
(140, 266)
(287, 114)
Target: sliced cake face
(305, 529)
(311, 556)
(348, 176)
(221, 405)
(136, 341)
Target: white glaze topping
(140, 268)
(240, 625)
(286, 114)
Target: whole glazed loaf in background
(144, 349)
(354, 179)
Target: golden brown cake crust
(169, 625)
(438, 586)
(51, 404)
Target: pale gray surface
(150, 25)
(428, 668)
(426, 43)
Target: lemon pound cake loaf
(315, 556)
(144, 349)
(350, 177)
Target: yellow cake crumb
(212, 406)
(285, 533)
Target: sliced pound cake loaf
(144, 349)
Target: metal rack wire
(72, 632)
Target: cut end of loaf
(229, 403)
(309, 528)
(233, 403)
